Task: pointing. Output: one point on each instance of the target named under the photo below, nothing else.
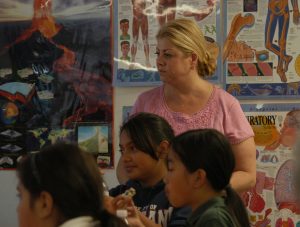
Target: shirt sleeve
(179, 216)
(138, 106)
(237, 128)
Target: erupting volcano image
(55, 63)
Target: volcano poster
(55, 70)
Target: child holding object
(144, 145)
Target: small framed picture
(96, 139)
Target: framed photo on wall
(95, 138)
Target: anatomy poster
(261, 53)
(273, 201)
(136, 24)
(55, 72)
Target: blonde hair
(186, 35)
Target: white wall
(8, 199)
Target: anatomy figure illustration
(166, 11)
(278, 17)
(237, 24)
(139, 22)
(198, 14)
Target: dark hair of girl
(72, 178)
(209, 150)
(147, 131)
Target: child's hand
(133, 218)
(108, 204)
(121, 202)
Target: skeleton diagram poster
(273, 201)
(261, 50)
(55, 72)
(136, 24)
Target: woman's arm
(244, 176)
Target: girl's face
(172, 64)
(138, 165)
(27, 215)
(178, 182)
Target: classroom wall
(123, 96)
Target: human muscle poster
(135, 26)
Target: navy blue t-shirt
(154, 204)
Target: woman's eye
(156, 53)
(167, 55)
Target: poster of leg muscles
(135, 27)
(55, 71)
(274, 201)
(261, 53)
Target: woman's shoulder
(148, 101)
(151, 93)
(223, 99)
(223, 95)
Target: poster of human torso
(261, 50)
(55, 72)
(274, 200)
(136, 24)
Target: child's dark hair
(208, 149)
(124, 21)
(72, 178)
(147, 131)
(124, 42)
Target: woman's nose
(159, 61)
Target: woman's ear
(194, 59)
(44, 205)
(163, 149)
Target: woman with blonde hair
(188, 101)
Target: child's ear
(163, 149)
(199, 178)
(44, 205)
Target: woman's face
(172, 64)
(27, 216)
(178, 182)
(138, 165)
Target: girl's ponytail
(236, 207)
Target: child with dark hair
(61, 186)
(144, 145)
(200, 165)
